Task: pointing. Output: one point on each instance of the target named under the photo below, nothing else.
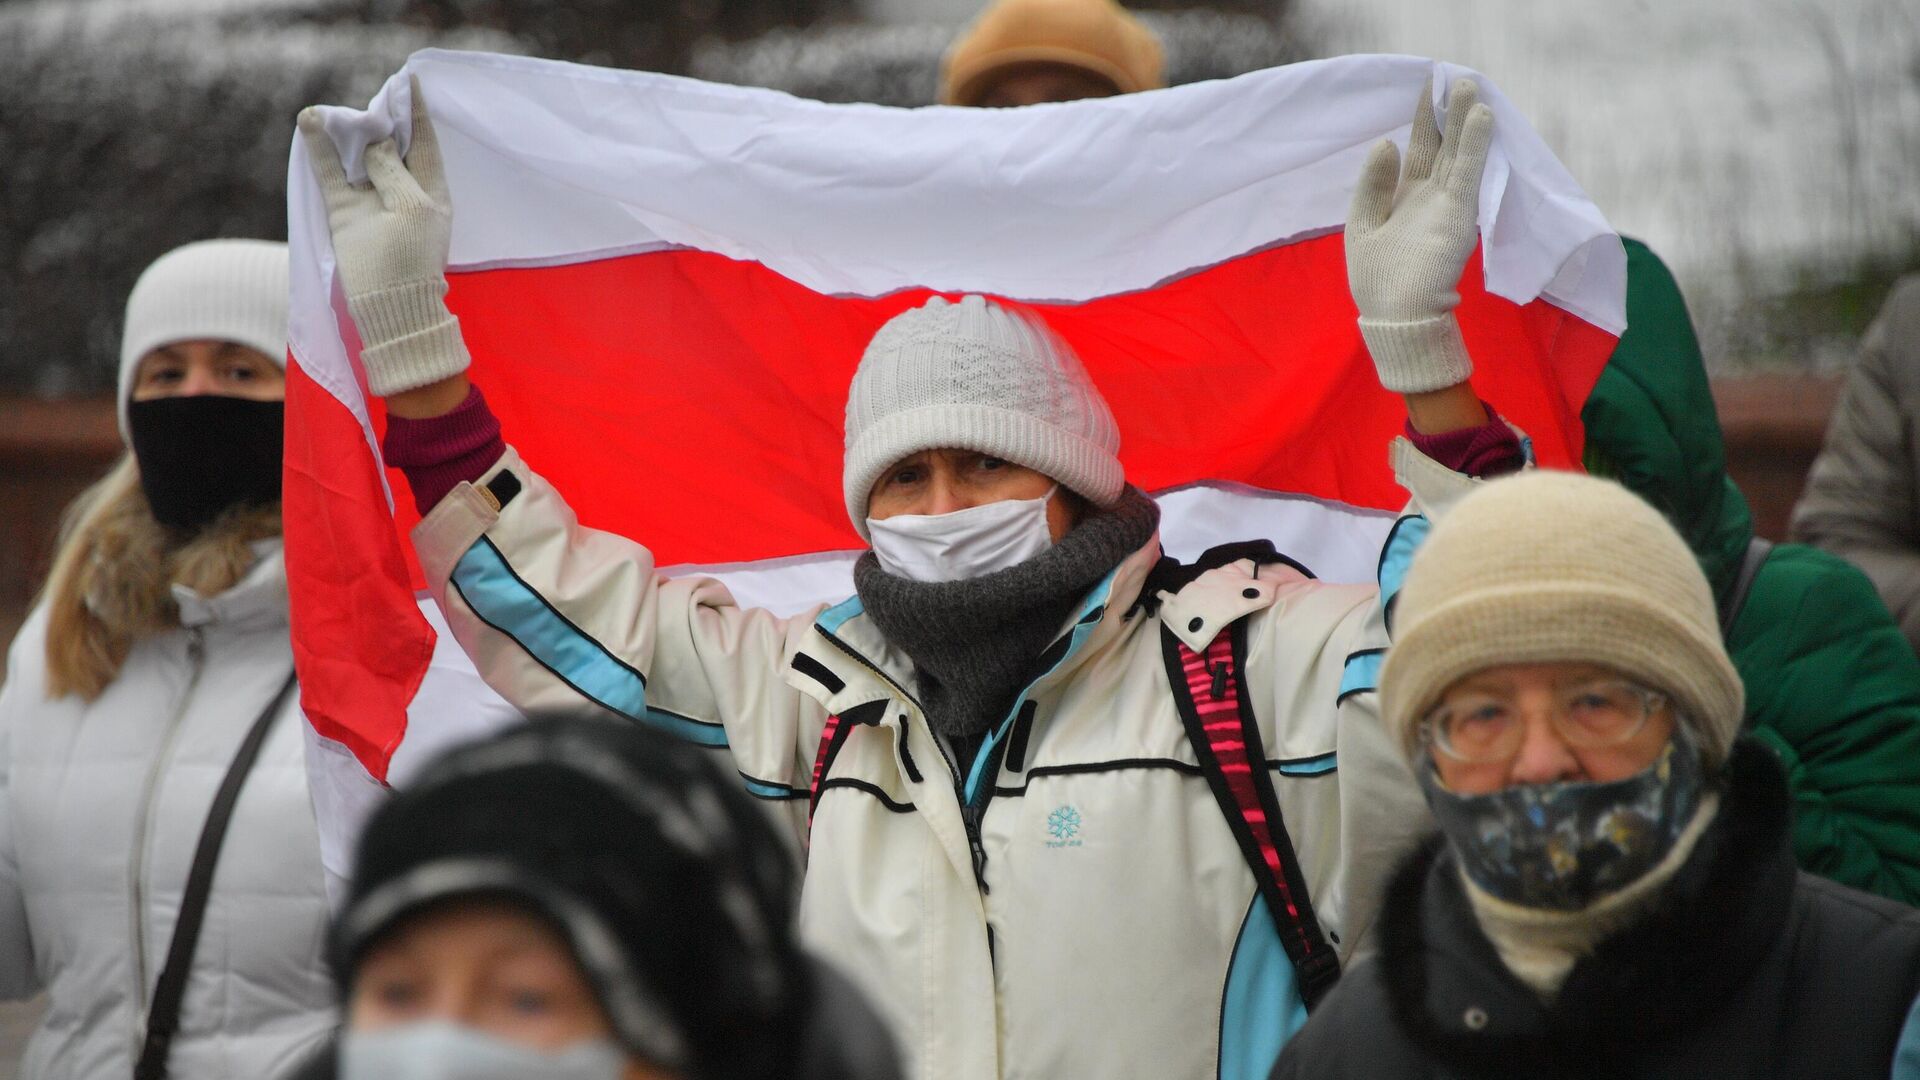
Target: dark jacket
(1744, 967)
(1832, 685)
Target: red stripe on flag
(695, 402)
(359, 640)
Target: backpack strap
(1757, 551)
(832, 737)
(1208, 690)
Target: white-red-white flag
(666, 285)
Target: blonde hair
(114, 572)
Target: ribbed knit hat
(1560, 567)
(664, 877)
(1097, 36)
(214, 290)
(975, 375)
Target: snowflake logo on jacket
(1064, 826)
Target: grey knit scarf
(973, 643)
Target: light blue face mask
(442, 1051)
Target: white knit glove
(1408, 243)
(390, 241)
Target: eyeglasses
(1483, 728)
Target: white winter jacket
(101, 806)
(1088, 913)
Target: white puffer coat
(101, 806)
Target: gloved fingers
(1423, 145)
(1460, 101)
(391, 180)
(1476, 138)
(1373, 196)
(324, 158)
(423, 153)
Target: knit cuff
(439, 453)
(408, 337)
(1492, 449)
(1415, 357)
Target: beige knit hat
(1558, 566)
(977, 376)
(217, 290)
(1097, 36)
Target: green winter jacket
(1832, 685)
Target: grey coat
(1863, 496)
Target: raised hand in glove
(390, 241)
(1407, 243)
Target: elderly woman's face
(487, 966)
(190, 368)
(1540, 723)
(942, 481)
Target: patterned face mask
(1562, 846)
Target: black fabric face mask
(200, 455)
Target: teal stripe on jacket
(1906, 1052)
(500, 599)
(1361, 673)
(1408, 534)
(1261, 1007)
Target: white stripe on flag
(758, 175)
(539, 178)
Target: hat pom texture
(1560, 567)
(976, 375)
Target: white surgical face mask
(965, 543)
(437, 1050)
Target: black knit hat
(668, 883)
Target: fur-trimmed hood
(121, 577)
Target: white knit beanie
(213, 290)
(1560, 567)
(977, 376)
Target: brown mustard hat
(1097, 36)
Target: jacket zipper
(969, 815)
(196, 658)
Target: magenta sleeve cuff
(440, 452)
(1492, 449)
